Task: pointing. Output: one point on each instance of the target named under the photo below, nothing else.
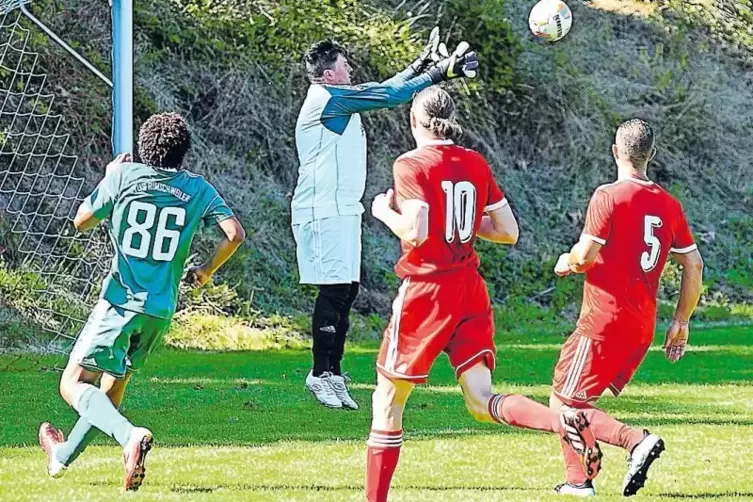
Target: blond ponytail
(435, 109)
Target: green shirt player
(154, 209)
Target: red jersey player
(447, 197)
(632, 226)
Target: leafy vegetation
(543, 115)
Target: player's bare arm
(500, 226)
(85, 219)
(691, 286)
(411, 225)
(120, 159)
(233, 238)
(580, 258)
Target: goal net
(49, 273)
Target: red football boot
(134, 457)
(49, 438)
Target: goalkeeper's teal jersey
(154, 215)
(331, 143)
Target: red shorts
(587, 367)
(444, 313)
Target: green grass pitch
(240, 426)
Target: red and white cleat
(580, 437)
(134, 457)
(49, 438)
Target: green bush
(542, 114)
(275, 33)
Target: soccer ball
(550, 20)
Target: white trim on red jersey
(434, 142)
(638, 180)
(621, 180)
(428, 142)
(496, 205)
(686, 250)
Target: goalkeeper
(326, 206)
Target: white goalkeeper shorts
(329, 250)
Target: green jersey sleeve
(217, 209)
(102, 200)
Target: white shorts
(329, 250)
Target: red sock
(575, 474)
(612, 431)
(381, 461)
(519, 411)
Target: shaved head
(635, 142)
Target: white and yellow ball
(550, 20)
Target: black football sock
(338, 347)
(322, 339)
(324, 324)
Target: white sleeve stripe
(418, 202)
(594, 238)
(496, 205)
(684, 250)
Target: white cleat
(322, 388)
(55, 469)
(639, 461)
(585, 490)
(341, 391)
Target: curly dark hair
(635, 138)
(164, 140)
(322, 56)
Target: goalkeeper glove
(430, 55)
(460, 64)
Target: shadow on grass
(252, 398)
(742, 495)
(333, 488)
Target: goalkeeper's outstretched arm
(345, 101)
